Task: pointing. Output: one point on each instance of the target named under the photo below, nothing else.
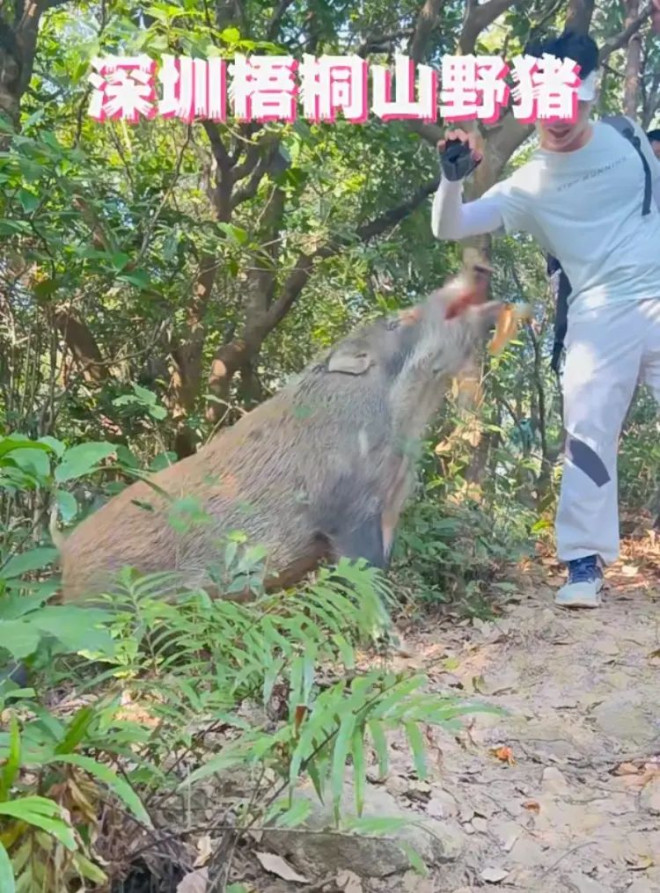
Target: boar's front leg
(365, 540)
(397, 495)
(363, 525)
(348, 514)
(372, 538)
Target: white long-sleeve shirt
(584, 207)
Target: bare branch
(395, 215)
(432, 133)
(579, 14)
(263, 166)
(298, 277)
(426, 22)
(274, 25)
(500, 146)
(550, 12)
(651, 101)
(262, 278)
(254, 154)
(477, 18)
(379, 43)
(633, 64)
(220, 153)
(621, 39)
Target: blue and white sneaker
(585, 581)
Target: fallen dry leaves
(204, 851)
(504, 754)
(638, 775)
(195, 882)
(277, 866)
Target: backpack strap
(625, 128)
(561, 287)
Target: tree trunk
(578, 15)
(655, 17)
(187, 357)
(633, 63)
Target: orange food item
(507, 326)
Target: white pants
(608, 350)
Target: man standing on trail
(585, 196)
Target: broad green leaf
(230, 35)
(44, 589)
(7, 882)
(74, 627)
(57, 446)
(139, 278)
(8, 444)
(66, 502)
(12, 227)
(19, 638)
(31, 460)
(147, 397)
(42, 813)
(29, 201)
(81, 459)
(33, 560)
(14, 606)
(234, 232)
(119, 260)
(11, 767)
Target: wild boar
(319, 471)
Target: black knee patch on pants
(587, 460)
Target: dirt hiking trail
(561, 794)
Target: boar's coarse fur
(319, 471)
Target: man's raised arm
(450, 218)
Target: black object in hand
(456, 161)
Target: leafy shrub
(274, 688)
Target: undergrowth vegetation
(135, 704)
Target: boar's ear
(350, 362)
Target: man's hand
(459, 155)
